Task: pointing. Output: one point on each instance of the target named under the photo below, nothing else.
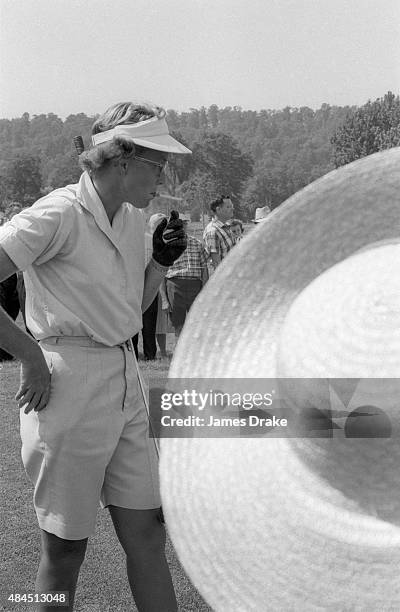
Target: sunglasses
(160, 165)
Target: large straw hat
(299, 523)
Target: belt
(175, 278)
(83, 341)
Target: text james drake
(196, 421)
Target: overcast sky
(70, 56)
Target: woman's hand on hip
(34, 389)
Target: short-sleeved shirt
(192, 262)
(83, 275)
(218, 238)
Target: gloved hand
(169, 240)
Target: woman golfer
(84, 426)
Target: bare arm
(35, 376)
(215, 260)
(153, 278)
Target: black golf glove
(169, 240)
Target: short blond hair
(99, 156)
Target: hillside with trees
(258, 157)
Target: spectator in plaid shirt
(184, 280)
(218, 239)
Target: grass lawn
(102, 585)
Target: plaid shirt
(218, 238)
(191, 263)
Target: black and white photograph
(200, 305)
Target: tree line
(257, 157)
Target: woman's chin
(142, 202)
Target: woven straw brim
(254, 528)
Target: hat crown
(346, 322)
(341, 339)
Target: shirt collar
(219, 223)
(90, 200)
(88, 196)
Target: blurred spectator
(9, 301)
(184, 280)
(217, 236)
(261, 214)
(237, 229)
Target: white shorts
(91, 443)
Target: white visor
(152, 134)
